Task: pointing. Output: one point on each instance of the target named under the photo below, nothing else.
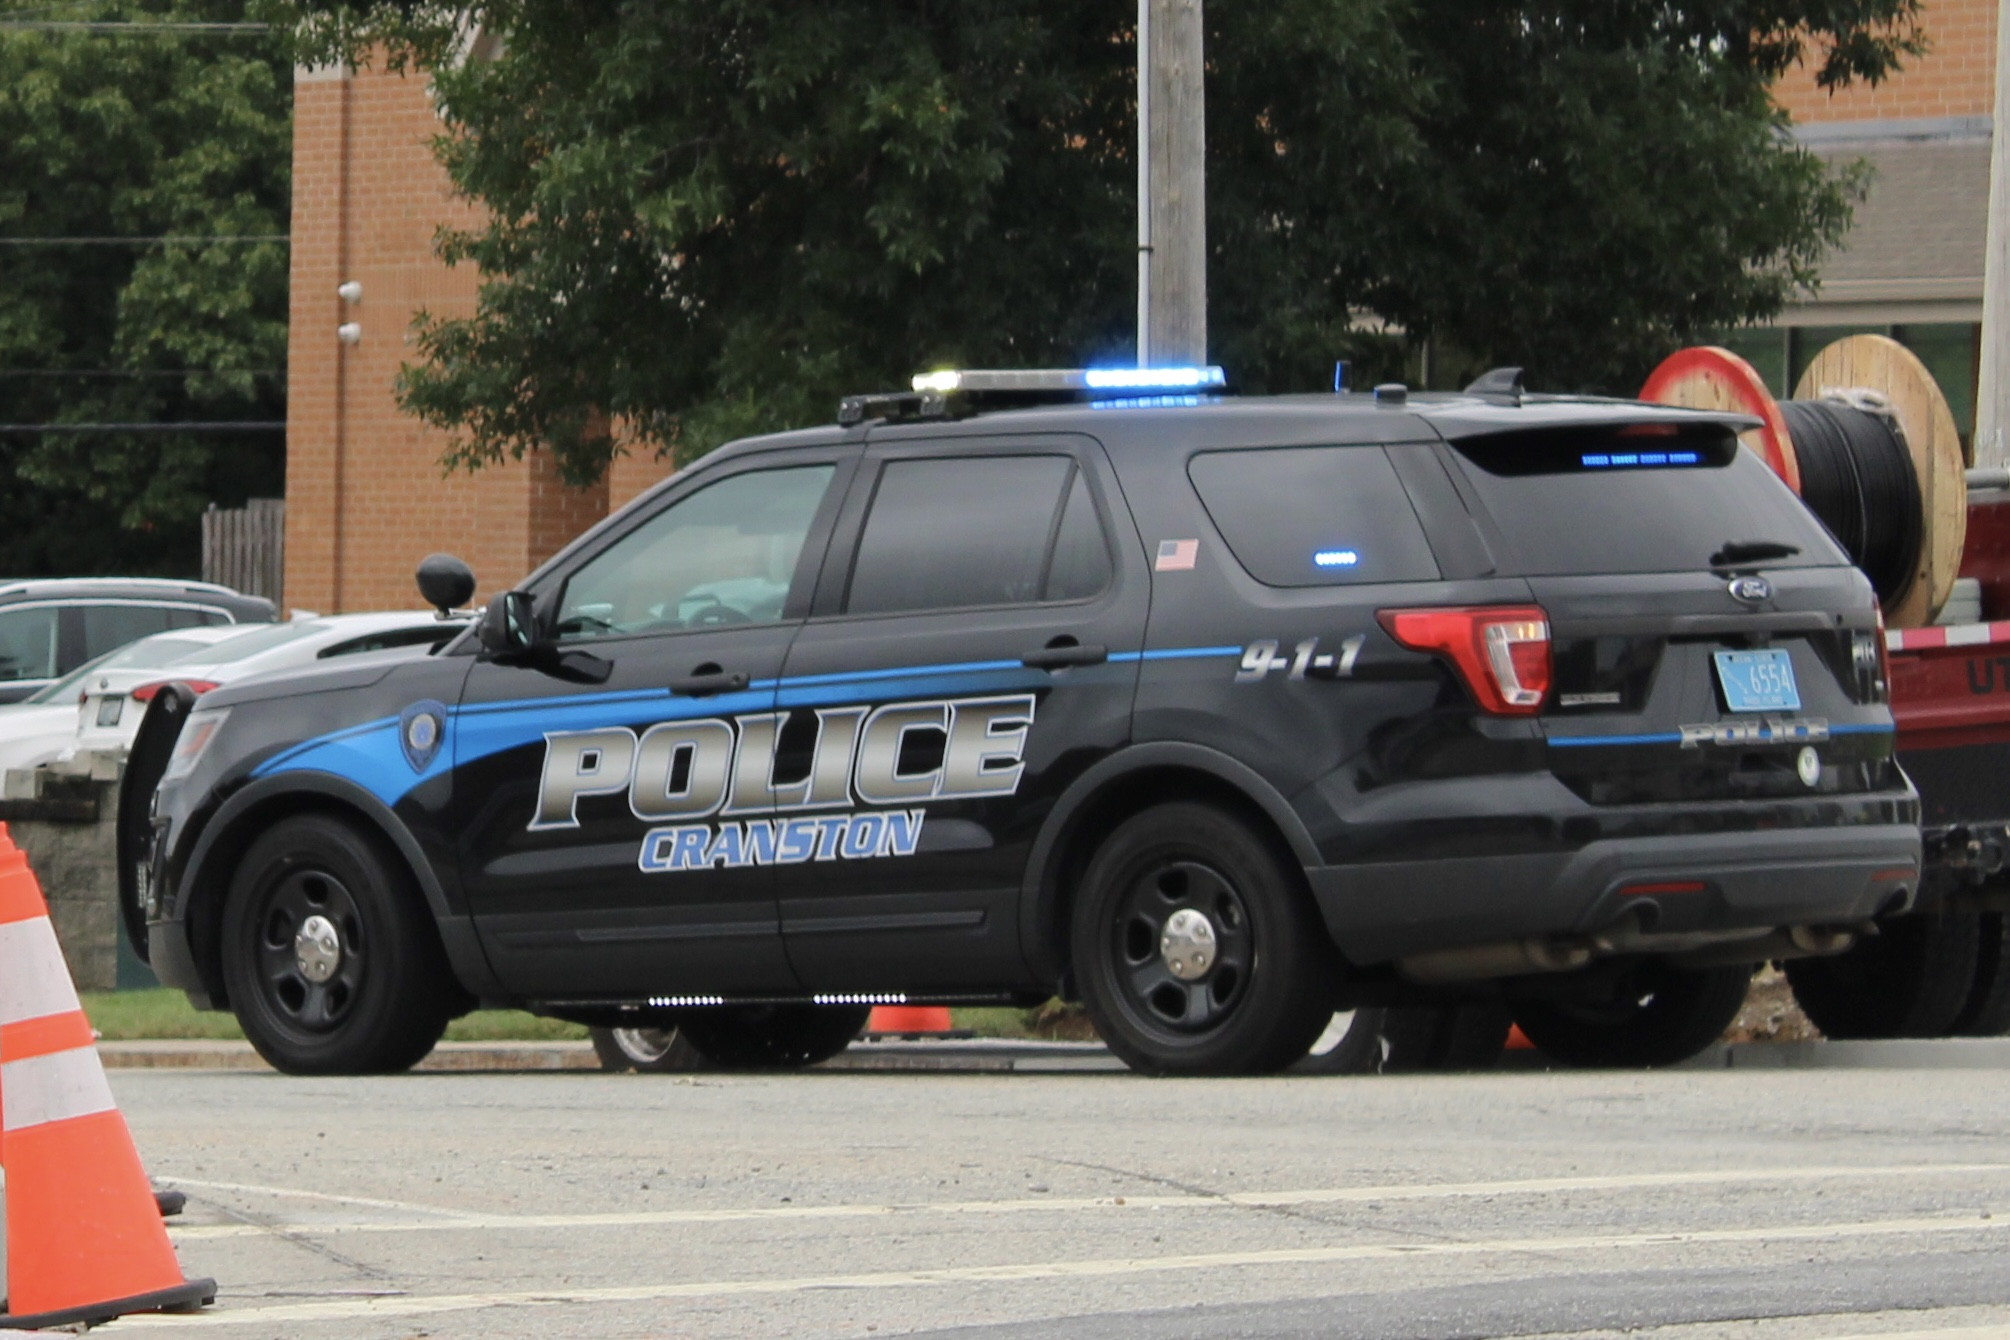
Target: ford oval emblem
(1751, 590)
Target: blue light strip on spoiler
(1634, 459)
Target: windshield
(1644, 498)
(65, 689)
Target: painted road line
(300, 1314)
(453, 1220)
(295, 1193)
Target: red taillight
(145, 692)
(1500, 651)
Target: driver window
(722, 556)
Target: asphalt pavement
(1757, 1204)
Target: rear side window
(1314, 516)
(107, 627)
(1646, 498)
(978, 530)
(28, 643)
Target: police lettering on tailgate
(693, 777)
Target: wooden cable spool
(1873, 375)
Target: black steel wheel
(647, 1051)
(771, 1037)
(1910, 980)
(1196, 947)
(1657, 1015)
(332, 964)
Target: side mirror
(508, 626)
(445, 582)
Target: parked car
(48, 628)
(116, 694)
(43, 726)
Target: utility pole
(1992, 416)
(1172, 185)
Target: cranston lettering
(736, 845)
(690, 770)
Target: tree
(151, 132)
(706, 217)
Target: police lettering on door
(681, 774)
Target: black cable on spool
(1857, 476)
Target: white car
(116, 697)
(43, 726)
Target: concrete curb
(1016, 1056)
(202, 1054)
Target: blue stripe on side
(1586, 741)
(1675, 737)
(370, 755)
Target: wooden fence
(245, 547)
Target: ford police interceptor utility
(1217, 714)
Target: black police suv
(1217, 714)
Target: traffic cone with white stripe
(84, 1238)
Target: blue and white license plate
(1758, 681)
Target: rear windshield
(1646, 498)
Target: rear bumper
(1378, 911)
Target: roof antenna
(1504, 383)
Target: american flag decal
(1177, 555)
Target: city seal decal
(421, 729)
(701, 783)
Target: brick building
(366, 496)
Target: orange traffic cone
(910, 1019)
(84, 1236)
(1518, 1040)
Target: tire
(388, 993)
(771, 1037)
(646, 1051)
(1662, 1016)
(1351, 1044)
(1986, 1014)
(1450, 1037)
(1911, 980)
(1258, 999)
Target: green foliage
(707, 217)
(137, 134)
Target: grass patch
(1054, 1021)
(162, 1014)
(137, 1016)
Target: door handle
(1069, 653)
(708, 679)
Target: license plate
(1758, 681)
(108, 711)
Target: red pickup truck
(1944, 971)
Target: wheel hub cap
(317, 949)
(1187, 944)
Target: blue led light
(1154, 379)
(1147, 402)
(1599, 460)
(1336, 558)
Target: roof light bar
(1037, 380)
